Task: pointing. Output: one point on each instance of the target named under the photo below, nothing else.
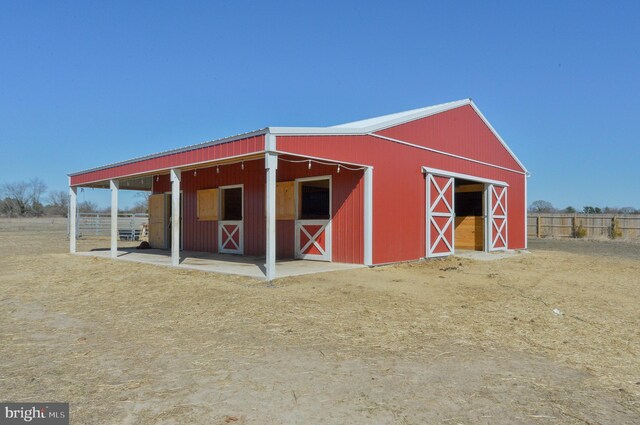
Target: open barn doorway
(469, 209)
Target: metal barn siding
(399, 199)
(201, 154)
(347, 208)
(458, 131)
(203, 235)
(347, 203)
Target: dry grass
(450, 341)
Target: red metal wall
(398, 183)
(203, 154)
(347, 193)
(347, 202)
(458, 131)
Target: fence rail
(583, 225)
(97, 224)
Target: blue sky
(88, 83)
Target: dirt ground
(449, 341)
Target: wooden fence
(96, 224)
(611, 226)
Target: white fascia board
(311, 131)
(437, 172)
(495, 133)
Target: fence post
(573, 226)
(538, 227)
(614, 227)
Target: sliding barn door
(497, 218)
(440, 215)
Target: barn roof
(359, 127)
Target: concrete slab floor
(489, 256)
(223, 263)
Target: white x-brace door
(230, 232)
(313, 239)
(497, 206)
(440, 215)
(230, 237)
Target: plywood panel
(157, 220)
(207, 205)
(469, 233)
(285, 201)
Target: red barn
(400, 187)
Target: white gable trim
(495, 133)
(424, 148)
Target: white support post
(175, 216)
(368, 216)
(526, 216)
(73, 218)
(271, 164)
(114, 185)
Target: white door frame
(486, 199)
(325, 225)
(239, 223)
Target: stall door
(231, 223)
(440, 215)
(497, 206)
(313, 219)
(157, 220)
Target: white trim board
(428, 170)
(464, 158)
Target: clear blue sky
(87, 83)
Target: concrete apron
(489, 256)
(223, 263)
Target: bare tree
(17, 196)
(541, 206)
(37, 188)
(87, 207)
(629, 210)
(58, 203)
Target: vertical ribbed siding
(203, 235)
(459, 131)
(347, 208)
(399, 204)
(347, 202)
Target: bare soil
(450, 341)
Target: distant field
(447, 341)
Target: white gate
(230, 237)
(497, 206)
(313, 239)
(440, 215)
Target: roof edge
(495, 133)
(174, 151)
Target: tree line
(30, 198)
(542, 206)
